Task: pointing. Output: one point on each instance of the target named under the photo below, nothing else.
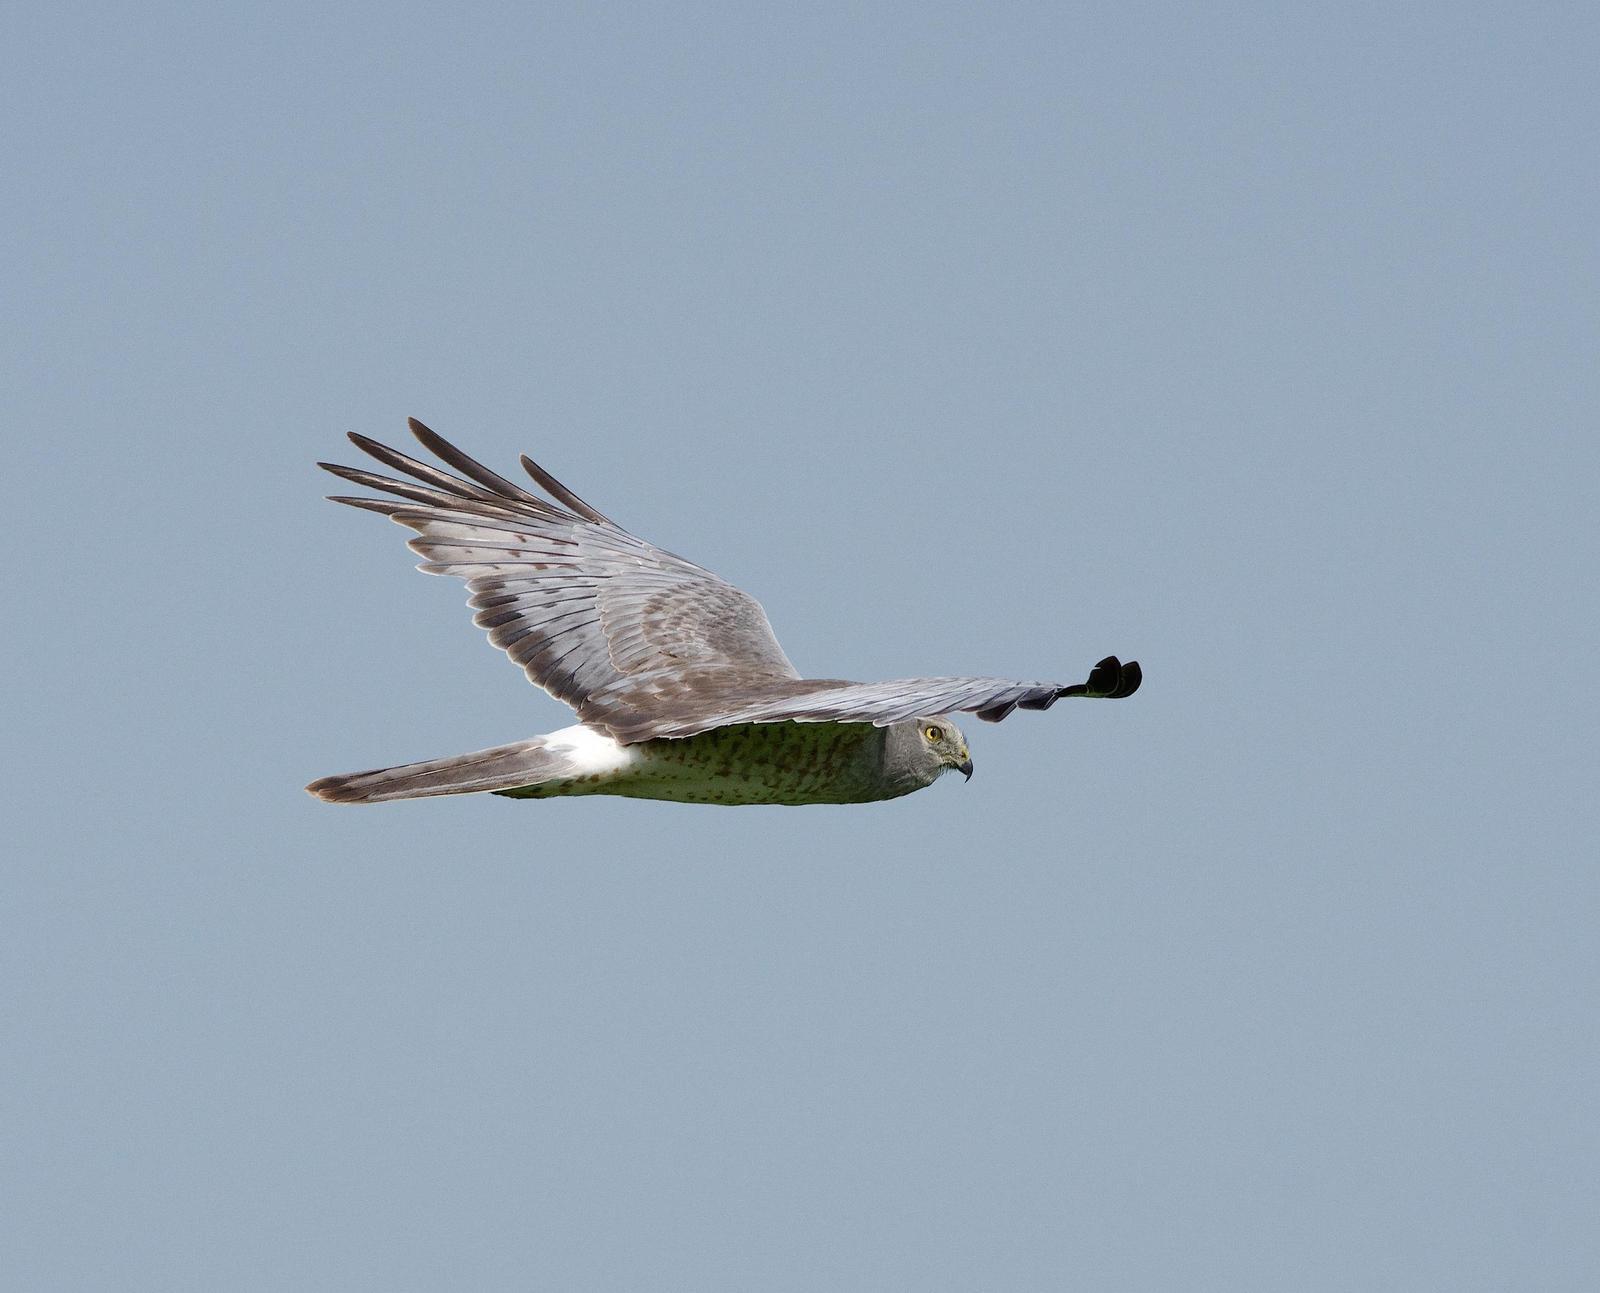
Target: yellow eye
(932, 733)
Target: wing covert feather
(579, 603)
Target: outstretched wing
(582, 605)
(879, 703)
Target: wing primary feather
(469, 466)
(1132, 676)
(434, 498)
(562, 494)
(1109, 679)
(422, 471)
(996, 713)
(382, 505)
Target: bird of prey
(681, 690)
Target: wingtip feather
(382, 506)
(332, 790)
(1110, 679)
(559, 491)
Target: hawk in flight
(681, 690)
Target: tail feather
(521, 764)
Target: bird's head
(925, 748)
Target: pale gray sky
(1256, 342)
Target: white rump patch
(589, 750)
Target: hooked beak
(965, 768)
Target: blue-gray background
(1255, 341)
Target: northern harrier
(681, 689)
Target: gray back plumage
(640, 642)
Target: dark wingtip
(436, 444)
(374, 448)
(431, 439)
(560, 492)
(1109, 680)
(383, 506)
(997, 713)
